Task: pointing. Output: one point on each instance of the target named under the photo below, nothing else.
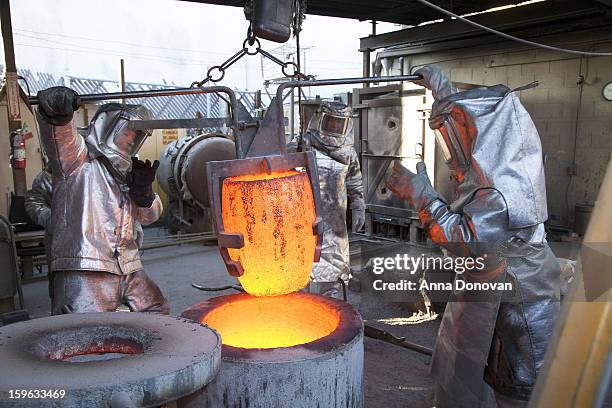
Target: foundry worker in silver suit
(38, 206)
(38, 198)
(493, 150)
(99, 191)
(330, 136)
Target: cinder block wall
(568, 108)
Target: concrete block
(583, 140)
(551, 80)
(562, 95)
(541, 125)
(513, 71)
(548, 55)
(536, 95)
(501, 74)
(515, 58)
(538, 69)
(461, 74)
(602, 108)
(548, 110)
(602, 138)
(569, 109)
(484, 76)
(564, 129)
(570, 65)
(572, 79)
(473, 62)
(550, 142)
(520, 80)
(587, 109)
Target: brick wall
(563, 114)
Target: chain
(250, 46)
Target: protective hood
(505, 154)
(109, 136)
(330, 131)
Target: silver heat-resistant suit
(94, 251)
(330, 136)
(493, 149)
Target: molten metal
(269, 322)
(275, 214)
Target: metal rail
(177, 241)
(33, 100)
(343, 81)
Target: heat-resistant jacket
(92, 214)
(339, 178)
(38, 199)
(498, 213)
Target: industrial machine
(181, 167)
(394, 125)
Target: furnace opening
(269, 322)
(94, 343)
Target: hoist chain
(250, 46)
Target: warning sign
(12, 96)
(169, 135)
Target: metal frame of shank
(233, 121)
(266, 151)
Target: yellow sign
(169, 135)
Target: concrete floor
(394, 377)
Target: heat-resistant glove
(56, 105)
(436, 81)
(140, 180)
(358, 217)
(414, 188)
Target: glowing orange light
(274, 212)
(268, 322)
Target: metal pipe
(190, 235)
(233, 102)
(343, 81)
(151, 94)
(378, 334)
(122, 76)
(156, 245)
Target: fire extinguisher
(18, 147)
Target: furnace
(296, 350)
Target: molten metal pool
(268, 322)
(297, 350)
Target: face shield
(334, 129)
(125, 141)
(448, 139)
(333, 125)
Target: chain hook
(250, 46)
